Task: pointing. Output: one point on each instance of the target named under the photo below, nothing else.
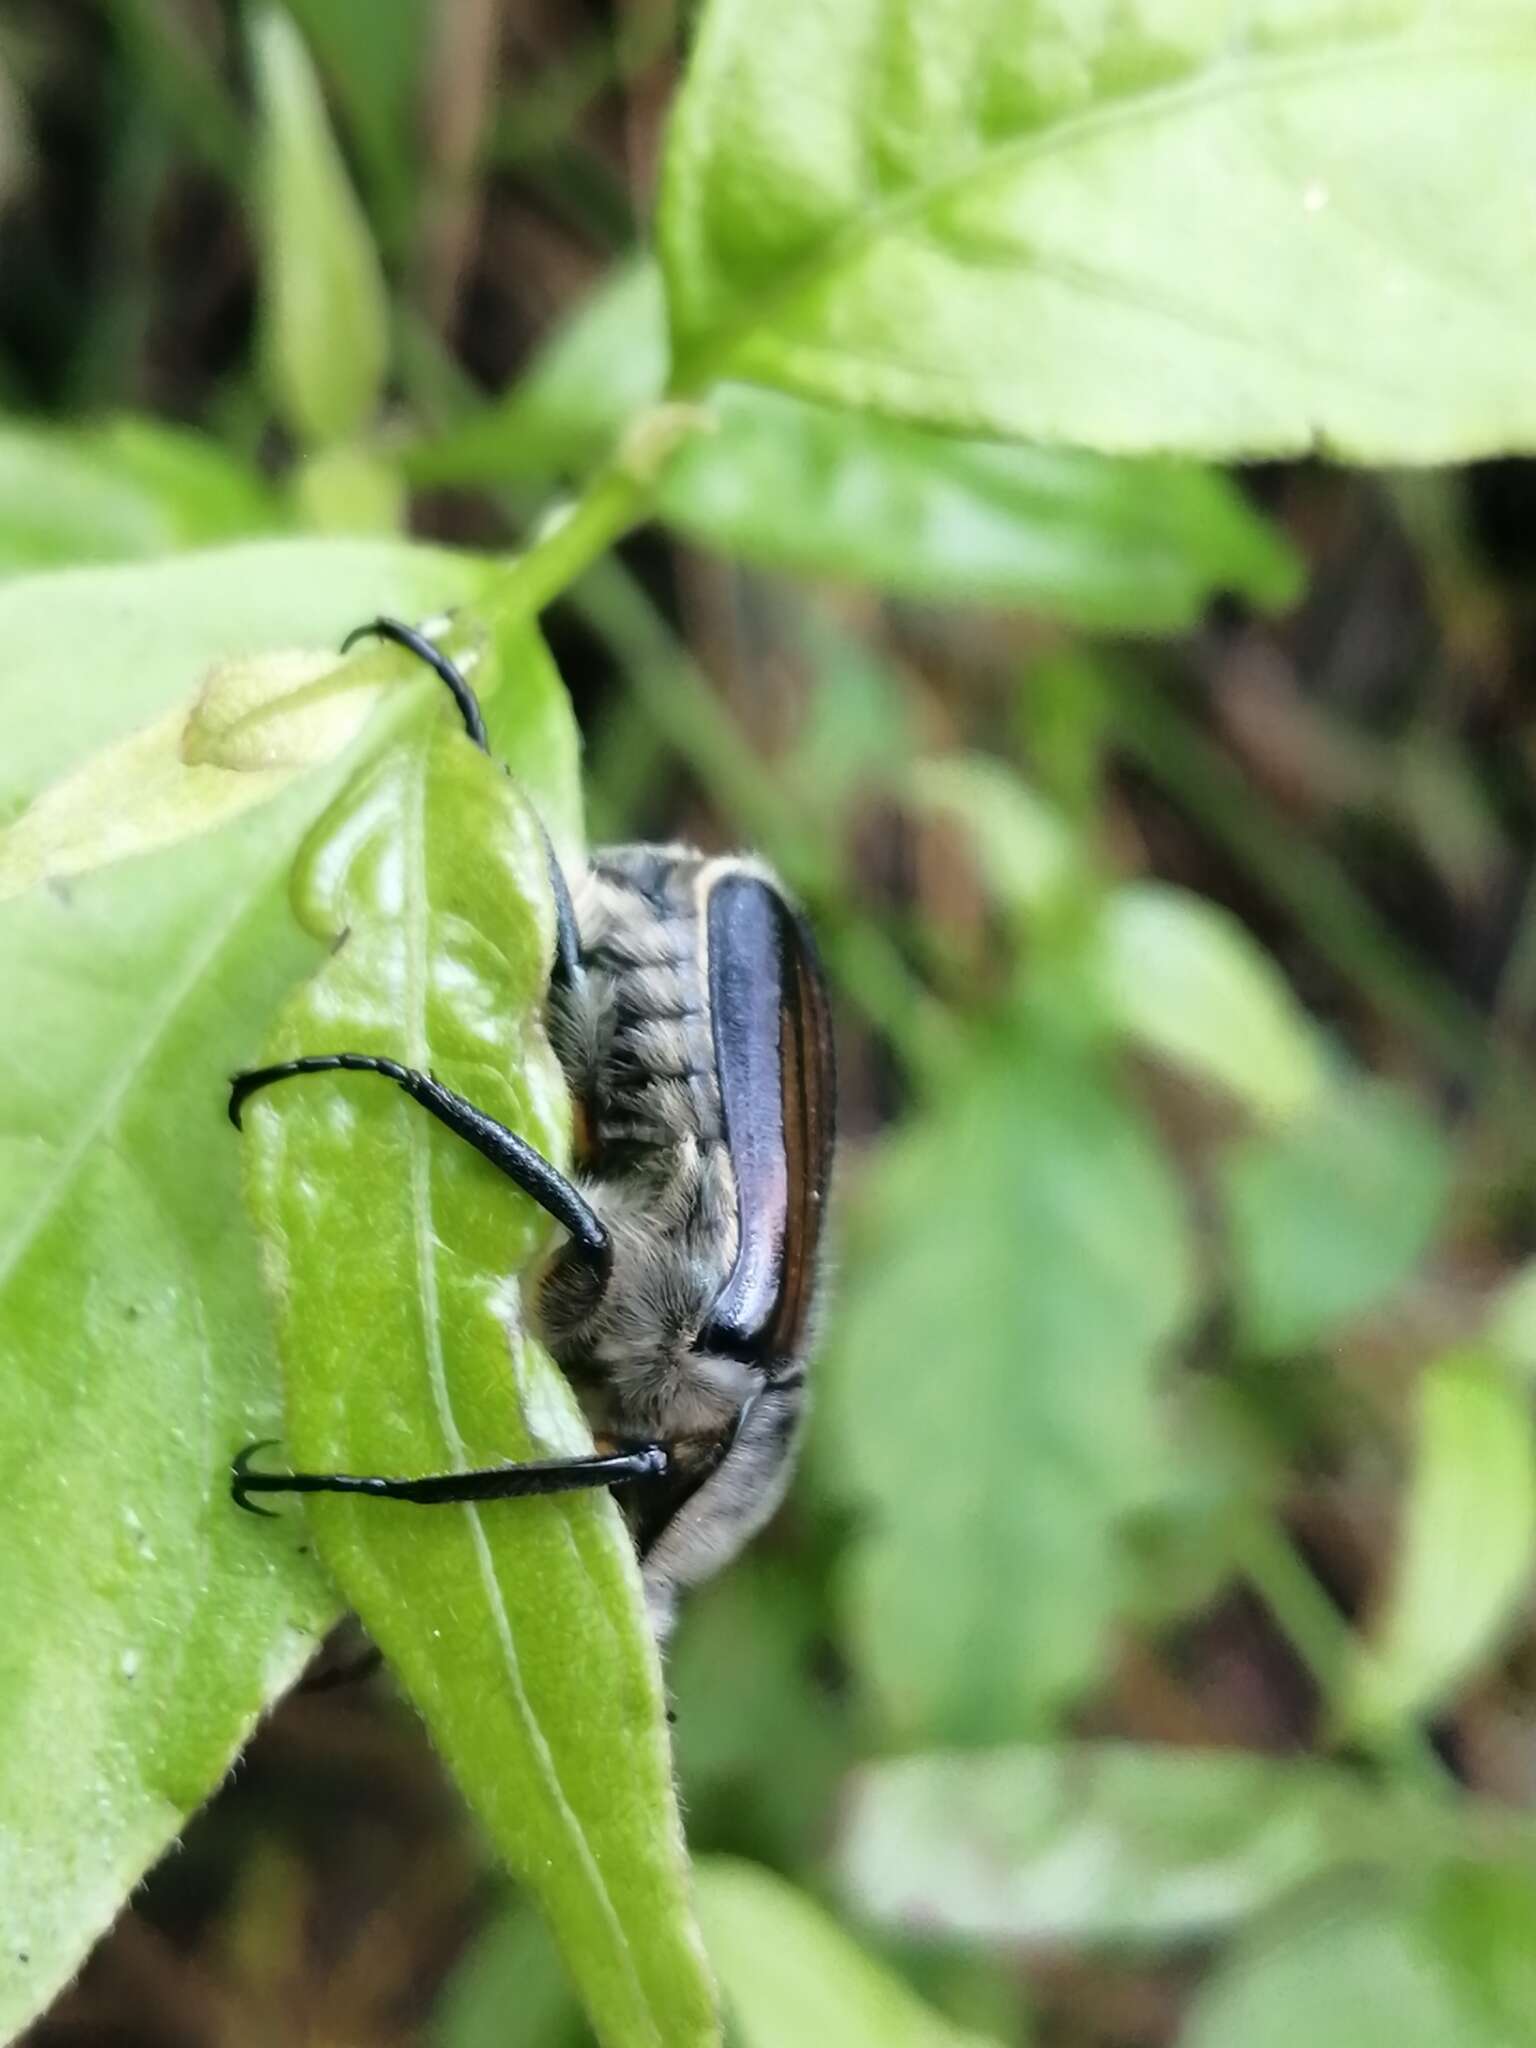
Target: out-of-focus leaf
(392, 1250)
(512, 1969)
(1185, 980)
(824, 492)
(1466, 1549)
(125, 491)
(147, 1624)
(993, 1388)
(818, 491)
(206, 492)
(1105, 1842)
(794, 1979)
(602, 367)
(1027, 851)
(1511, 1331)
(859, 727)
(349, 490)
(1173, 973)
(324, 323)
(1147, 227)
(1326, 1217)
(747, 1681)
(372, 59)
(1446, 1965)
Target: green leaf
(347, 489)
(822, 492)
(746, 1675)
(149, 790)
(1511, 1331)
(1106, 1842)
(794, 1979)
(993, 1388)
(819, 491)
(392, 1252)
(1326, 1217)
(1174, 974)
(254, 724)
(324, 320)
(1186, 981)
(1156, 226)
(373, 59)
(1443, 1966)
(1027, 851)
(511, 1967)
(123, 492)
(147, 1623)
(1467, 1546)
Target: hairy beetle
(687, 1008)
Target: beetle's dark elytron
(687, 1009)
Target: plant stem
(1325, 1643)
(616, 499)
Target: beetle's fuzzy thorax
(635, 1041)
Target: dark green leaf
(993, 1388)
(147, 1623)
(393, 1249)
(1140, 228)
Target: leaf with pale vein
(1167, 225)
(147, 1624)
(393, 1248)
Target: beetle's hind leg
(440, 1489)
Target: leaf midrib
(1225, 78)
(417, 945)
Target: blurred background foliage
(1145, 1654)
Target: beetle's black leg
(445, 670)
(509, 1153)
(566, 971)
(439, 1489)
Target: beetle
(688, 1011)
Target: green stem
(612, 503)
(618, 498)
(1325, 1643)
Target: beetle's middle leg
(507, 1152)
